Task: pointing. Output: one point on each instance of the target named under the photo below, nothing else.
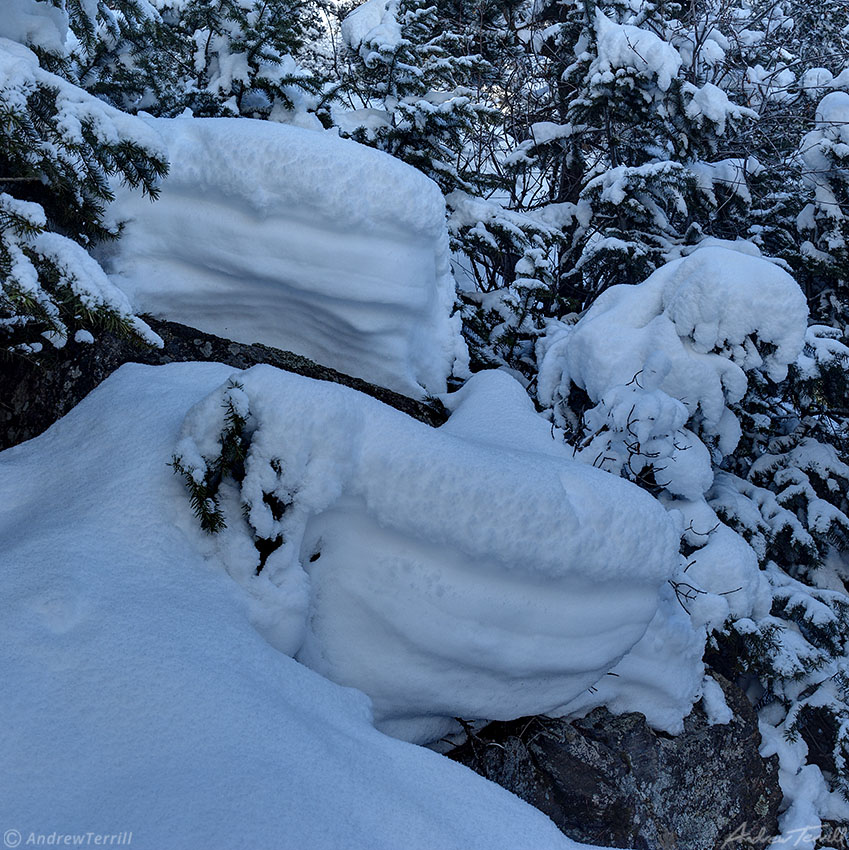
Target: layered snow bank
(297, 239)
(137, 696)
(473, 570)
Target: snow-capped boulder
(474, 570)
(137, 698)
(297, 239)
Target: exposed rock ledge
(35, 392)
(612, 781)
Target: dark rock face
(35, 392)
(612, 781)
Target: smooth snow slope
(137, 696)
(298, 239)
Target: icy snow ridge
(473, 570)
(300, 240)
(138, 697)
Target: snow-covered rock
(137, 697)
(612, 781)
(660, 678)
(474, 570)
(300, 240)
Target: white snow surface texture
(36, 23)
(300, 240)
(625, 46)
(473, 570)
(138, 697)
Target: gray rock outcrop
(36, 391)
(612, 781)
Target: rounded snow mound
(445, 572)
(138, 696)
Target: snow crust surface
(301, 240)
(144, 700)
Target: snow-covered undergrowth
(661, 408)
(697, 322)
(626, 46)
(473, 570)
(303, 241)
(49, 284)
(661, 399)
(137, 696)
(685, 339)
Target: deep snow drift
(445, 572)
(138, 697)
(298, 239)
